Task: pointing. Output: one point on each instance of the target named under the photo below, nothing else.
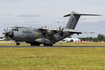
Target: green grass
(52, 58)
(58, 44)
(13, 44)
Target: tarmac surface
(48, 46)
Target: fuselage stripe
(36, 34)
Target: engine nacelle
(50, 32)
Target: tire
(35, 44)
(17, 43)
(48, 44)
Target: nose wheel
(17, 43)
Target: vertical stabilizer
(72, 22)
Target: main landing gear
(38, 44)
(48, 44)
(35, 44)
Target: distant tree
(100, 37)
(104, 39)
(1, 37)
(95, 40)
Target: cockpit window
(15, 29)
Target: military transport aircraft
(44, 35)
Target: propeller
(46, 33)
(8, 33)
(60, 31)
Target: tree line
(99, 38)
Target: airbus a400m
(43, 35)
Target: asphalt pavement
(47, 46)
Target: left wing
(66, 30)
(49, 30)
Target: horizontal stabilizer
(82, 15)
(72, 31)
(88, 32)
(76, 31)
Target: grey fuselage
(31, 35)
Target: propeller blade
(4, 30)
(59, 28)
(62, 29)
(4, 33)
(7, 29)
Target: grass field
(52, 58)
(58, 44)
(81, 44)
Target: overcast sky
(37, 13)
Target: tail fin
(74, 17)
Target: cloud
(90, 20)
(24, 15)
(12, 0)
(31, 22)
(8, 15)
(9, 18)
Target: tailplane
(74, 17)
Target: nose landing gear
(17, 43)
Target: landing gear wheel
(35, 44)
(51, 44)
(48, 44)
(32, 44)
(17, 43)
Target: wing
(66, 30)
(47, 29)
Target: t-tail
(74, 17)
